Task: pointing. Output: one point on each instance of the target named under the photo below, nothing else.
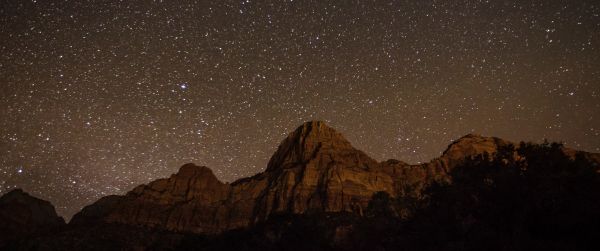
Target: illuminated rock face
(314, 169)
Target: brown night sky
(96, 98)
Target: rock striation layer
(314, 169)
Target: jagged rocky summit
(320, 193)
(314, 169)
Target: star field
(98, 97)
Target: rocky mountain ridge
(318, 185)
(314, 169)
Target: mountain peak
(190, 170)
(306, 141)
(15, 192)
(471, 136)
(20, 196)
(315, 169)
(472, 145)
(316, 129)
(190, 181)
(22, 214)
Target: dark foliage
(532, 198)
(541, 200)
(311, 231)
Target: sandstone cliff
(314, 169)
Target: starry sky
(97, 97)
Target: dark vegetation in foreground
(540, 200)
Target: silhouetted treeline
(529, 198)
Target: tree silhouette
(380, 205)
(541, 199)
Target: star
(116, 95)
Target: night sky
(97, 97)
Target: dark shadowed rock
(483, 192)
(95, 212)
(22, 215)
(185, 202)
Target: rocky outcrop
(314, 169)
(411, 180)
(188, 201)
(22, 215)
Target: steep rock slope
(314, 169)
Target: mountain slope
(482, 193)
(314, 169)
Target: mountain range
(319, 192)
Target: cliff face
(410, 180)
(188, 201)
(317, 186)
(22, 214)
(314, 169)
